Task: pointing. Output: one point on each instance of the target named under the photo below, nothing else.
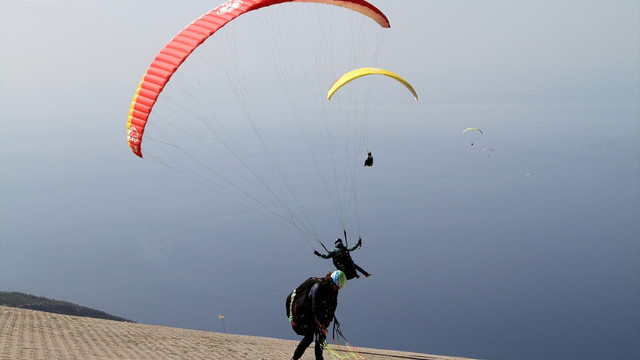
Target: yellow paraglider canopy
(354, 74)
(472, 128)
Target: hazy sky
(530, 253)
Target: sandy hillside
(28, 334)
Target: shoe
(367, 274)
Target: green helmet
(339, 278)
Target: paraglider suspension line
(355, 354)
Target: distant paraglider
(357, 73)
(472, 129)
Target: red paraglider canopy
(183, 44)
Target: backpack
(298, 304)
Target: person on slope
(369, 160)
(315, 311)
(342, 259)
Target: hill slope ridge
(32, 302)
